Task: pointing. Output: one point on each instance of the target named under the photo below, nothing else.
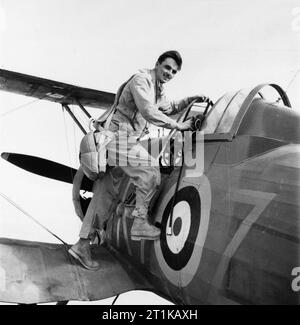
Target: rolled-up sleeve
(142, 93)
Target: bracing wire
(292, 80)
(67, 142)
(289, 84)
(31, 217)
(19, 107)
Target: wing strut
(116, 297)
(67, 108)
(83, 109)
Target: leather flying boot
(81, 252)
(141, 229)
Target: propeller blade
(46, 168)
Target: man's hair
(171, 54)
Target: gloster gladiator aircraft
(229, 234)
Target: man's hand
(166, 110)
(187, 125)
(199, 98)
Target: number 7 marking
(260, 200)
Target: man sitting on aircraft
(141, 102)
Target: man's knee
(155, 177)
(158, 177)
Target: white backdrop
(225, 44)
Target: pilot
(141, 102)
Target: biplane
(235, 226)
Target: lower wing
(32, 272)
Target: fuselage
(235, 231)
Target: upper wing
(53, 91)
(32, 272)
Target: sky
(225, 44)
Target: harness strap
(106, 117)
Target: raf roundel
(179, 254)
(177, 249)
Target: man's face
(166, 70)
